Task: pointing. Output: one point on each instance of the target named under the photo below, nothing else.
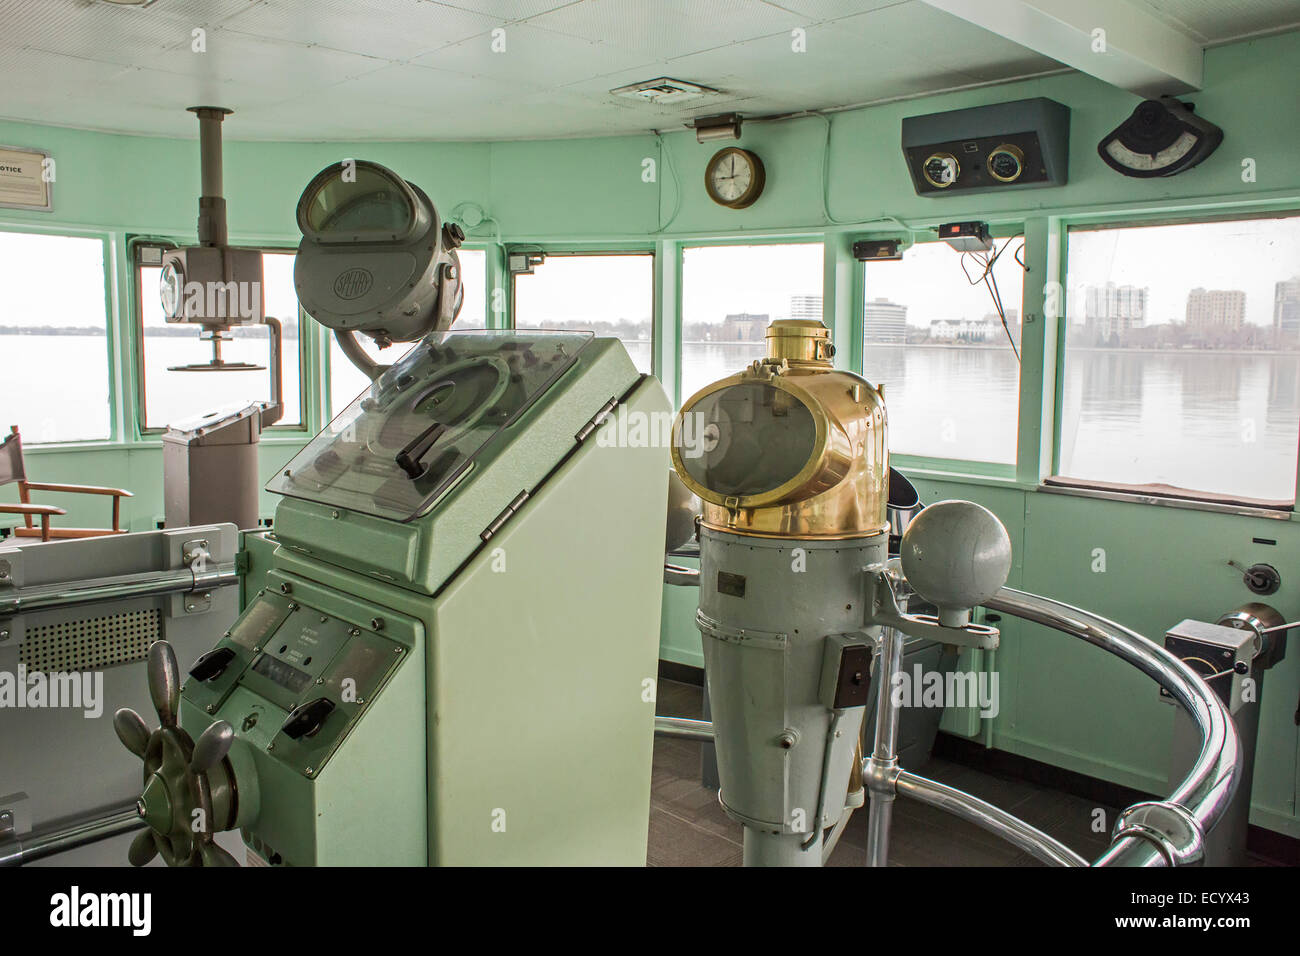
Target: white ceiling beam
(1114, 40)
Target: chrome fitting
(881, 776)
(1173, 829)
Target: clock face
(734, 178)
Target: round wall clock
(734, 177)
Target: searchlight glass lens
(358, 202)
(171, 286)
(747, 439)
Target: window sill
(295, 437)
(1135, 495)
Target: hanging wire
(666, 154)
(990, 282)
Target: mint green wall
(1063, 704)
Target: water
(55, 387)
(1224, 423)
(1213, 422)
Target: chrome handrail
(1201, 800)
(61, 594)
(1169, 832)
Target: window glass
(347, 381)
(1182, 357)
(729, 296)
(53, 338)
(934, 337)
(611, 295)
(172, 396)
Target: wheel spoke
(212, 746)
(132, 731)
(143, 848)
(164, 682)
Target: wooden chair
(12, 469)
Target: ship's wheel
(180, 776)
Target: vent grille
(91, 643)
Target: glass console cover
(426, 419)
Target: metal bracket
(15, 822)
(883, 609)
(680, 576)
(196, 554)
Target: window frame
(144, 431)
(111, 331)
(556, 250)
(1139, 218)
(1000, 473)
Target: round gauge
(1006, 163)
(941, 170)
(171, 288)
(734, 177)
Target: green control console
(450, 642)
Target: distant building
(885, 322)
(1013, 323)
(1286, 310)
(806, 307)
(743, 327)
(1110, 310)
(966, 330)
(1215, 310)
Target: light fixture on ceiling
(130, 3)
(720, 126)
(663, 91)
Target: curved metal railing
(1162, 833)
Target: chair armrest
(80, 489)
(31, 510)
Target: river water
(1206, 421)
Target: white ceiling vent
(664, 91)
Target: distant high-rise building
(885, 322)
(1286, 309)
(744, 327)
(1112, 309)
(1215, 310)
(806, 307)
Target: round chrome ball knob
(956, 555)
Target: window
(1182, 357)
(933, 336)
(609, 294)
(173, 397)
(347, 381)
(729, 296)
(53, 338)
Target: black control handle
(408, 459)
(307, 718)
(212, 664)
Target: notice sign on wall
(26, 179)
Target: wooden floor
(688, 827)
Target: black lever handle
(408, 459)
(307, 718)
(212, 664)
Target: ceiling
(426, 70)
